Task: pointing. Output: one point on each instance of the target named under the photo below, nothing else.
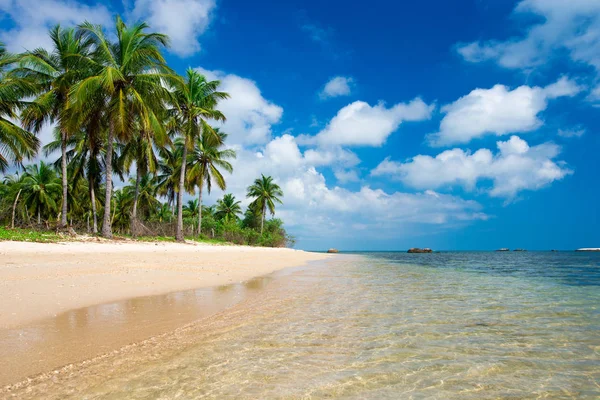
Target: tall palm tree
(204, 162)
(265, 193)
(41, 189)
(228, 209)
(195, 102)
(55, 73)
(129, 81)
(16, 143)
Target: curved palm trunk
(106, 222)
(94, 211)
(65, 182)
(179, 233)
(262, 220)
(136, 194)
(12, 225)
(200, 210)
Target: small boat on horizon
(503, 249)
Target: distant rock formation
(589, 249)
(519, 250)
(333, 251)
(417, 250)
(503, 249)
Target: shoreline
(42, 280)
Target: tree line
(117, 106)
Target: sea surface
(450, 325)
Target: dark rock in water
(519, 250)
(333, 251)
(503, 249)
(417, 250)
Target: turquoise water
(381, 325)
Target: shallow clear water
(378, 325)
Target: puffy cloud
(183, 20)
(314, 208)
(32, 21)
(359, 124)
(250, 116)
(571, 25)
(497, 111)
(338, 86)
(515, 167)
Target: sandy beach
(39, 280)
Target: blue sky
(451, 125)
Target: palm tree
(16, 143)
(86, 153)
(204, 162)
(265, 193)
(41, 189)
(122, 201)
(191, 210)
(169, 168)
(55, 73)
(163, 213)
(129, 82)
(143, 191)
(228, 209)
(141, 150)
(195, 102)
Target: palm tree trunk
(94, 212)
(200, 210)
(179, 233)
(14, 209)
(135, 202)
(106, 223)
(262, 220)
(39, 217)
(65, 182)
(88, 223)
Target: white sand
(40, 280)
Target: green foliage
(28, 235)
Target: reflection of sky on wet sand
(83, 333)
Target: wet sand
(67, 302)
(39, 280)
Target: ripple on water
(374, 327)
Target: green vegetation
(28, 235)
(120, 111)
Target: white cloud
(32, 21)
(569, 133)
(514, 168)
(359, 124)
(250, 116)
(338, 86)
(497, 111)
(183, 20)
(344, 176)
(314, 208)
(573, 26)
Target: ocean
(449, 325)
